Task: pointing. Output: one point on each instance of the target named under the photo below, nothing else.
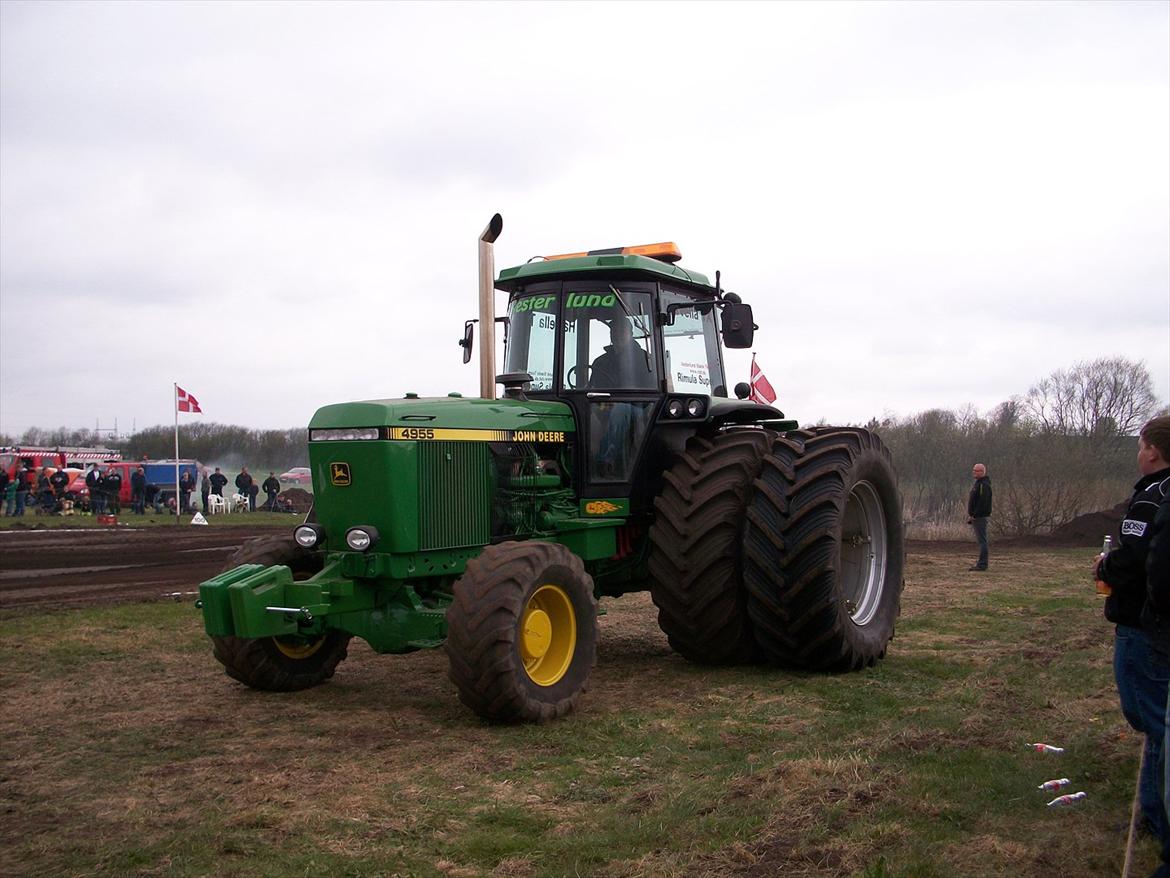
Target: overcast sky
(277, 205)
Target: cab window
(609, 341)
(691, 347)
(532, 332)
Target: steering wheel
(570, 376)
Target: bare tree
(59, 436)
(1100, 399)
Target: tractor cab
(632, 344)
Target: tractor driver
(624, 363)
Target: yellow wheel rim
(548, 635)
(298, 649)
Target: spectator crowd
(55, 491)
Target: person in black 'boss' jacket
(979, 510)
(1157, 609)
(1141, 647)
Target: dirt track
(73, 568)
(70, 568)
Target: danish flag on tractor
(187, 403)
(762, 391)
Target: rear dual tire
(824, 550)
(787, 549)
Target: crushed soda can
(1069, 799)
(1045, 748)
(1051, 786)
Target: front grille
(454, 494)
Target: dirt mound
(1091, 527)
(299, 499)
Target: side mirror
(738, 328)
(468, 340)
(743, 390)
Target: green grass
(127, 752)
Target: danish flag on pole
(187, 403)
(762, 391)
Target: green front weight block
(256, 601)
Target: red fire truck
(33, 457)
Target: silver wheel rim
(863, 553)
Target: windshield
(532, 333)
(691, 346)
(609, 341)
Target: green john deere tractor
(614, 461)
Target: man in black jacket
(271, 488)
(186, 486)
(1141, 650)
(624, 363)
(979, 510)
(244, 487)
(138, 490)
(205, 490)
(113, 488)
(60, 482)
(218, 480)
(93, 483)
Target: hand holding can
(1103, 587)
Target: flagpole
(175, 403)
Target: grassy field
(127, 752)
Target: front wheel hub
(298, 649)
(548, 635)
(537, 635)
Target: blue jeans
(1142, 671)
(980, 526)
(21, 497)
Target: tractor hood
(443, 413)
(430, 475)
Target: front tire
(522, 632)
(824, 550)
(280, 664)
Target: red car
(299, 476)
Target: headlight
(347, 433)
(361, 538)
(674, 408)
(694, 408)
(307, 536)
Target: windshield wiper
(636, 320)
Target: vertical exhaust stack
(487, 307)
